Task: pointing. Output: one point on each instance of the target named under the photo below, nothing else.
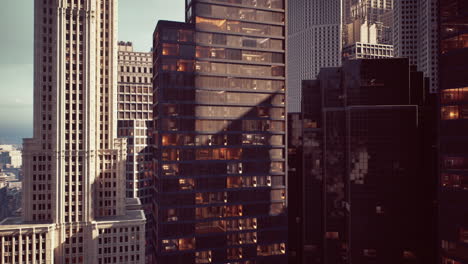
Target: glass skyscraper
(219, 134)
(369, 165)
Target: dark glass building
(294, 185)
(369, 165)
(453, 182)
(219, 134)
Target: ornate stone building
(74, 200)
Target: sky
(137, 20)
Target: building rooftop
(130, 216)
(18, 223)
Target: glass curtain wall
(219, 94)
(453, 181)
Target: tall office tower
(135, 117)
(453, 142)
(415, 36)
(369, 165)
(219, 91)
(74, 184)
(314, 42)
(368, 20)
(367, 32)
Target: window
(170, 49)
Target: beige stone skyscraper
(135, 117)
(74, 204)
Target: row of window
(231, 182)
(216, 212)
(135, 79)
(221, 112)
(136, 69)
(221, 140)
(179, 80)
(230, 168)
(131, 132)
(231, 253)
(135, 98)
(221, 53)
(217, 98)
(456, 181)
(275, 4)
(134, 123)
(236, 13)
(238, 41)
(135, 107)
(135, 115)
(454, 112)
(241, 55)
(224, 25)
(135, 89)
(216, 126)
(177, 35)
(221, 154)
(174, 110)
(454, 95)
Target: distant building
(135, 99)
(315, 40)
(367, 29)
(10, 198)
(361, 50)
(453, 142)
(7, 148)
(10, 157)
(135, 115)
(324, 33)
(368, 165)
(415, 36)
(368, 21)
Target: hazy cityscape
(234, 132)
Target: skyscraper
(367, 29)
(369, 165)
(74, 183)
(315, 40)
(415, 36)
(453, 142)
(219, 91)
(324, 33)
(135, 117)
(368, 21)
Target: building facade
(315, 41)
(74, 166)
(361, 50)
(415, 36)
(295, 231)
(322, 34)
(135, 117)
(219, 91)
(367, 21)
(367, 29)
(453, 213)
(367, 135)
(10, 157)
